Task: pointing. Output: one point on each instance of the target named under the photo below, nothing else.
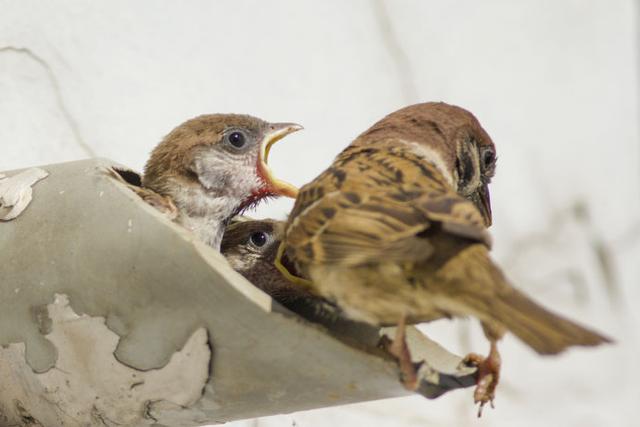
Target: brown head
(250, 247)
(218, 155)
(449, 136)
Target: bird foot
(400, 351)
(487, 376)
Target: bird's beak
(275, 133)
(482, 201)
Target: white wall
(554, 83)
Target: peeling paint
(42, 319)
(87, 383)
(16, 192)
(135, 303)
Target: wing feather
(376, 204)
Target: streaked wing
(375, 203)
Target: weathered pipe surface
(112, 315)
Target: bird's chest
(207, 229)
(379, 295)
(204, 215)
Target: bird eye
(259, 238)
(488, 159)
(237, 139)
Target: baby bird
(211, 168)
(250, 247)
(395, 231)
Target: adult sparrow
(395, 232)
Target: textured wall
(554, 83)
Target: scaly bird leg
(488, 375)
(400, 351)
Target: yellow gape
(286, 273)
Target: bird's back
(385, 235)
(377, 202)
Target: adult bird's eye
(488, 158)
(237, 139)
(259, 238)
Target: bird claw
(488, 375)
(485, 392)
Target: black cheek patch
(467, 162)
(464, 165)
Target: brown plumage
(133, 181)
(395, 230)
(212, 167)
(250, 247)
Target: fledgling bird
(250, 247)
(211, 168)
(395, 231)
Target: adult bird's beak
(482, 201)
(274, 133)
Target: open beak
(482, 201)
(275, 132)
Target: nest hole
(129, 176)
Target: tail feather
(479, 285)
(544, 331)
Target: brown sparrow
(212, 167)
(395, 231)
(250, 247)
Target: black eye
(237, 139)
(259, 238)
(488, 159)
